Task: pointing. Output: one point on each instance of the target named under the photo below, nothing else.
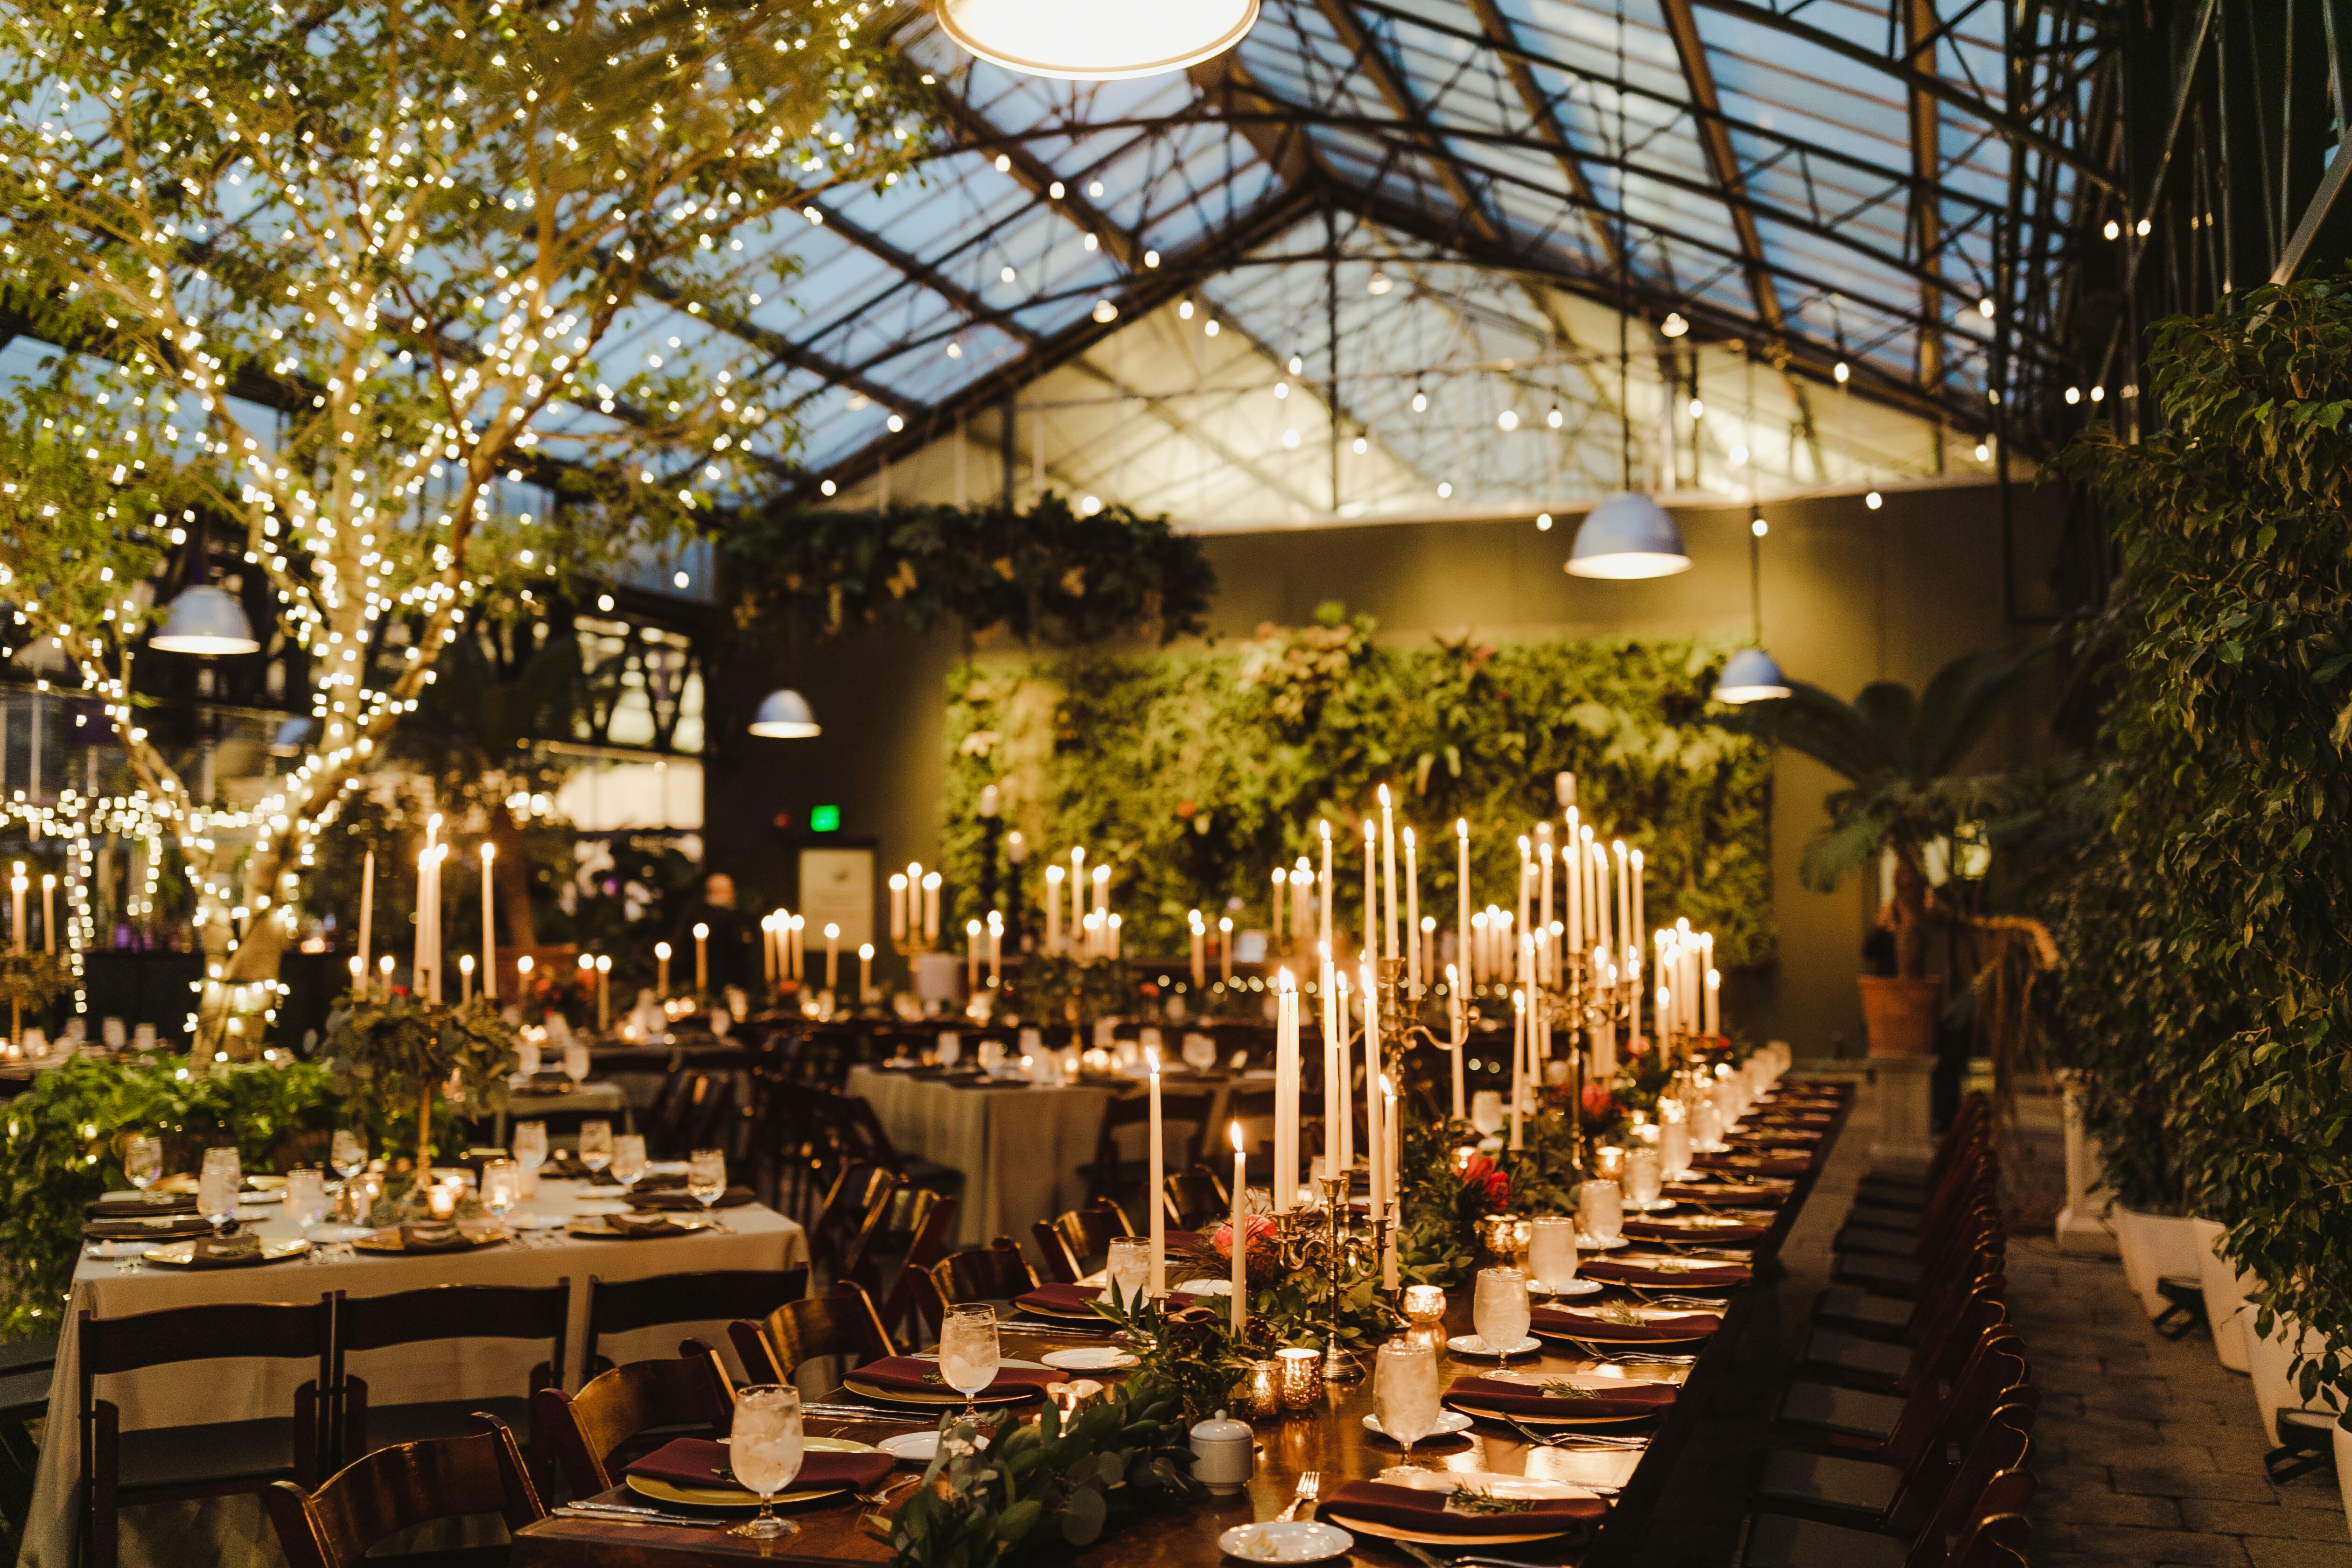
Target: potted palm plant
(1901, 755)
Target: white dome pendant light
(206, 620)
(784, 715)
(1628, 535)
(1097, 40)
(1751, 675)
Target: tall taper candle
(603, 993)
(701, 959)
(1370, 947)
(1412, 920)
(972, 930)
(1053, 909)
(1240, 1234)
(50, 913)
(1375, 1139)
(367, 914)
(1286, 1093)
(1457, 1019)
(1225, 949)
(864, 972)
(1323, 884)
(832, 955)
(898, 906)
(1153, 1198)
(1347, 1075)
(1392, 1138)
(1388, 873)
(661, 970)
(1518, 1059)
(1461, 956)
(489, 925)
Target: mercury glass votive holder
(1424, 1304)
(1609, 1162)
(1257, 1392)
(1298, 1373)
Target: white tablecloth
(220, 1391)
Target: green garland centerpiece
(395, 1051)
(30, 983)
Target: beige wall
(1849, 596)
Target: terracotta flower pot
(1899, 1015)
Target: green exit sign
(824, 819)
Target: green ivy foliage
(1194, 774)
(1044, 1488)
(2212, 969)
(65, 1138)
(1044, 575)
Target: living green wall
(1193, 774)
(1850, 595)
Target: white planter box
(2344, 1469)
(2155, 1246)
(2226, 1289)
(2271, 1360)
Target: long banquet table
(207, 1392)
(1330, 1438)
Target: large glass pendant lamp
(1628, 535)
(1097, 40)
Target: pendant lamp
(1097, 40)
(785, 715)
(206, 620)
(1751, 675)
(1628, 535)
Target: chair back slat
(279, 1331)
(585, 1430)
(617, 1307)
(996, 1272)
(843, 1323)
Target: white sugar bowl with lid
(1225, 1455)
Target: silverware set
(1310, 1487)
(626, 1513)
(1590, 1441)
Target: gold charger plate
(593, 1227)
(946, 1396)
(1430, 1538)
(182, 1253)
(478, 1233)
(730, 1497)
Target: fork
(876, 1499)
(1574, 1440)
(1310, 1487)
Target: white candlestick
(367, 915)
(898, 907)
(1633, 932)
(1241, 1235)
(1375, 1139)
(972, 957)
(1325, 885)
(1388, 863)
(1518, 1059)
(661, 970)
(1053, 909)
(1153, 1200)
(831, 956)
(1461, 955)
(1456, 1020)
(701, 959)
(1347, 1074)
(865, 971)
(1412, 920)
(1286, 1093)
(1371, 945)
(1394, 1142)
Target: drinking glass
(217, 1186)
(1600, 1210)
(705, 1176)
(501, 1187)
(111, 1031)
(527, 1054)
(306, 1196)
(1644, 1176)
(595, 1144)
(764, 1452)
(1486, 1111)
(991, 1055)
(968, 1351)
(142, 1161)
(348, 1154)
(949, 1046)
(1551, 1251)
(530, 1144)
(1404, 1390)
(1498, 1310)
(629, 1160)
(1707, 1126)
(1129, 1268)
(1200, 1052)
(575, 1061)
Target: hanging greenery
(2209, 999)
(398, 1052)
(1193, 774)
(1047, 575)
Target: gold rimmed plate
(946, 1397)
(183, 1254)
(598, 1227)
(478, 1233)
(1431, 1538)
(735, 1497)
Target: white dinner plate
(1448, 1423)
(1594, 1243)
(1285, 1540)
(1089, 1358)
(911, 1447)
(1573, 1288)
(1471, 1344)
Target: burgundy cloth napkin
(1527, 1399)
(227, 1252)
(1719, 1235)
(1578, 1325)
(1790, 1136)
(682, 1203)
(1744, 1193)
(904, 1373)
(1061, 1299)
(699, 1462)
(1753, 1164)
(1617, 1273)
(1410, 1508)
(433, 1238)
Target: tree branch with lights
(331, 285)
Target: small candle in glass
(1609, 1162)
(1256, 1393)
(441, 1201)
(1298, 1372)
(1424, 1304)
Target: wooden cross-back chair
(588, 1434)
(1076, 1242)
(441, 1312)
(393, 1490)
(616, 1307)
(841, 1324)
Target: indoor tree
(331, 284)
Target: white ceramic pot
(2226, 1289)
(2155, 1246)
(2271, 1359)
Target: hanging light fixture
(1087, 40)
(206, 620)
(1628, 536)
(784, 715)
(1751, 675)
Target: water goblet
(575, 1061)
(968, 1352)
(1129, 1270)
(629, 1161)
(1499, 1311)
(143, 1160)
(595, 1144)
(1486, 1111)
(217, 1186)
(1551, 1251)
(306, 1196)
(1405, 1392)
(530, 1144)
(1644, 1176)
(764, 1450)
(1601, 1211)
(705, 1176)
